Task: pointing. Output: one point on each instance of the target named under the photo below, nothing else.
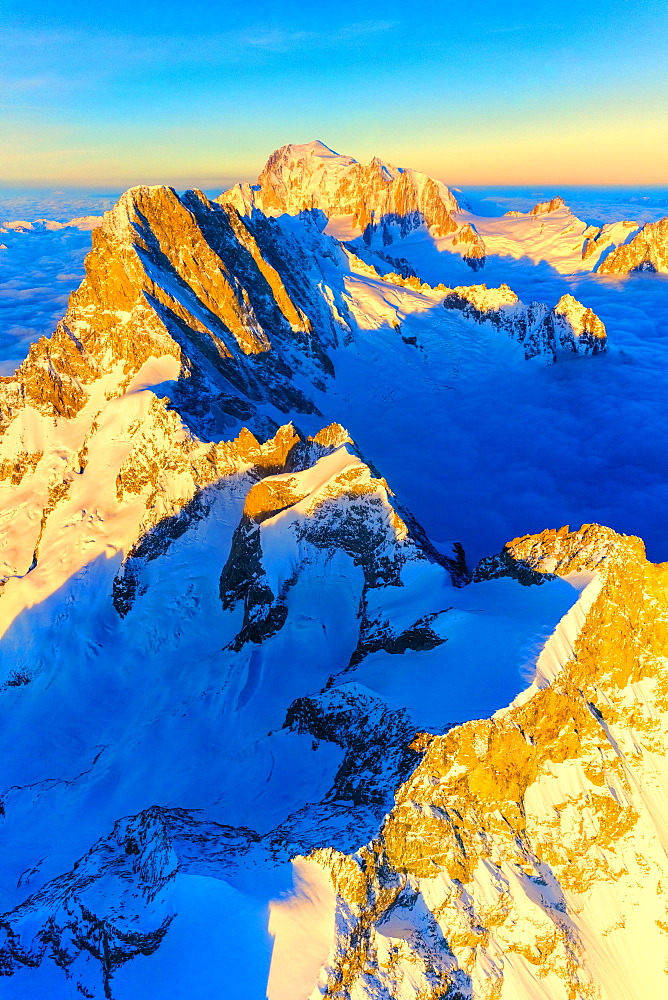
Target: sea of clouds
(40, 267)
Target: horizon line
(111, 187)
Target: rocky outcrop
(648, 251)
(117, 903)
(608, 237)
(577, 329)
(544, 207)
(533, 559)
(318, 512)
(521, 840)
(137, 859)
(569, 327)
(475, 252)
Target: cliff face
(170, 277)
(475, 251)
(526, 853)
(648, 251)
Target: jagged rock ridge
(569, 326)
(526, 851)
(647, 251)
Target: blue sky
(200, 93)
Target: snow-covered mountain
(264, 732)
(85, 223)
(375, 195)
(647, 251)
(526, 854)
(385, 205)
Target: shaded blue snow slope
(493, 451)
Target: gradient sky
(523, 92)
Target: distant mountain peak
(310, 176)
(552, 205)
(316, 147)
(542, 208)
(647, 251)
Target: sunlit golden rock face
(577, 328)
(554, 553)
(14, 469)
(648, 251)
(597, 240)
(166, 276)
(475, 252)
(527, 850)
(173, 234)
(53, 378)
(543, 207)
(308, 177)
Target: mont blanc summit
(331, 664)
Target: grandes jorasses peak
(179, 278)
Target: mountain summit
(312, 176)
